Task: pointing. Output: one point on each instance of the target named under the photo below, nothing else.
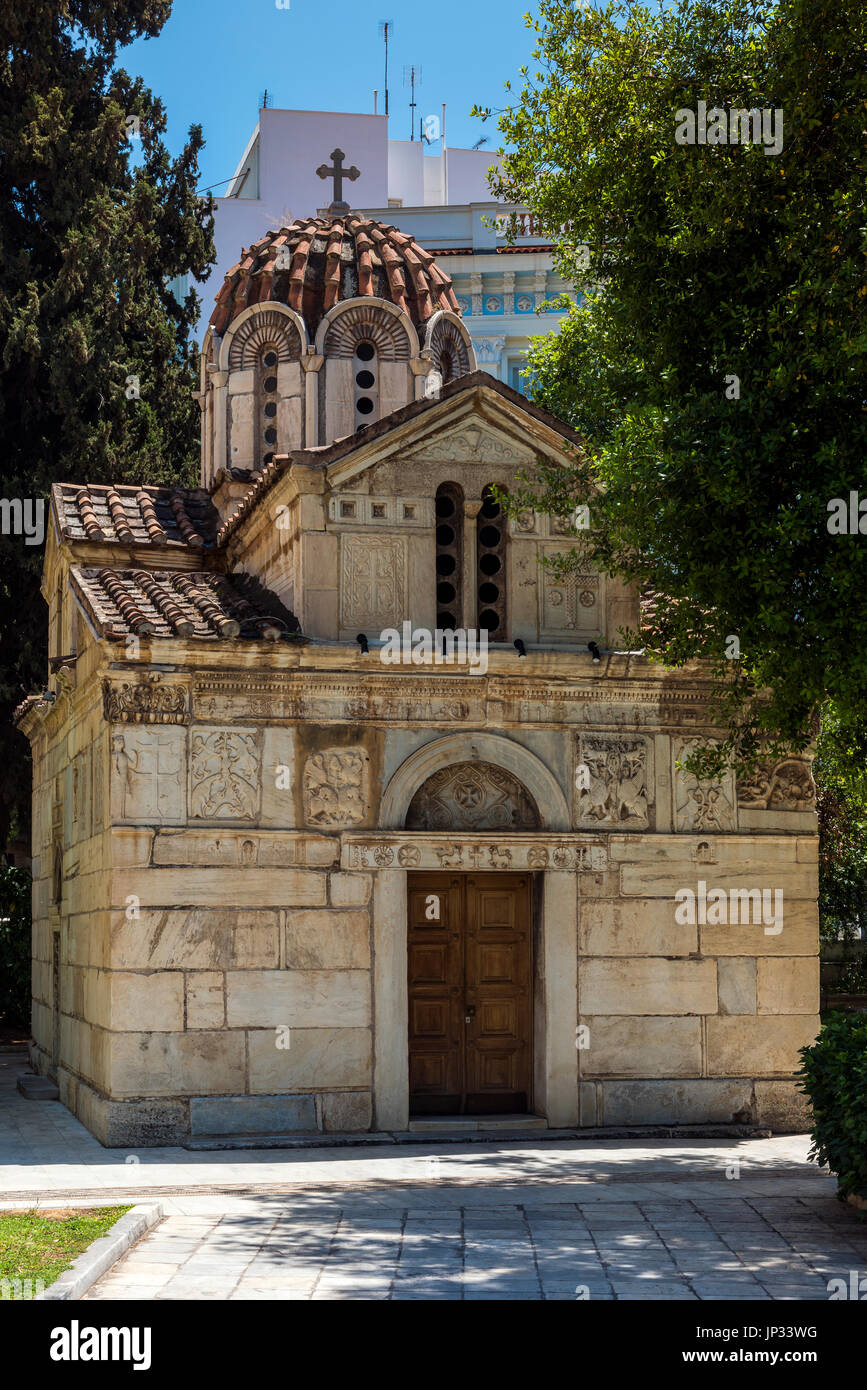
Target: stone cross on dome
(338, 174)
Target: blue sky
(214, 58)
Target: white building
(441, 199)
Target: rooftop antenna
(411, 77)
(479, 143)
(386, 29)
(265, 100)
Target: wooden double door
(470, 981)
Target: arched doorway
(469, 954)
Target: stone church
(282, 887)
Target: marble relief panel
(373, 582)
(614, 781)
(147, 774)
(225, 774)
(335, 787)
(783, 786)
(701, 805)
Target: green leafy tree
(98, 366)
(840, 770)
(14, 945)
(716, 368)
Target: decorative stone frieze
(572, 853)
(148, 701)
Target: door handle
(470, 1014)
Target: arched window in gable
(491, 537)
(365, 369)
(267, 403)
(449, 555)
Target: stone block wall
(691, 1022)
(70, 869)
(253, 1018)
(214, 964)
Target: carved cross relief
(472, 796)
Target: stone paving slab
(524, 1220)
(294, 1248)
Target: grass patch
(39, 1245)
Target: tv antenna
(265, 99)
(386, 30)
(479, 143)
(412, 79)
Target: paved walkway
(528, 1219)
(664, 1247)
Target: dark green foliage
(840, 770)
(711, 262)
(835, 1078)
(15, 930)
(93, 226)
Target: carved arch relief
(540, 787)
(372, 321)
(450, 346)
(472, 796)
(261, 327)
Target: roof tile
(194, 604)
(163, 516)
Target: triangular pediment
(479, 426)
(474, 442)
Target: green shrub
(15, 935)
(834, 1076)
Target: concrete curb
(93, 1262)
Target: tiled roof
(328, 259)
(136, 515)
(198, 604)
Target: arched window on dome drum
(266, 395)
(449, 555)
(491, 537)
(365, 370)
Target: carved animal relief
(614, 788)
(784, 786)
(472, 796)
(335, 787)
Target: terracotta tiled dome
(328, 259)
